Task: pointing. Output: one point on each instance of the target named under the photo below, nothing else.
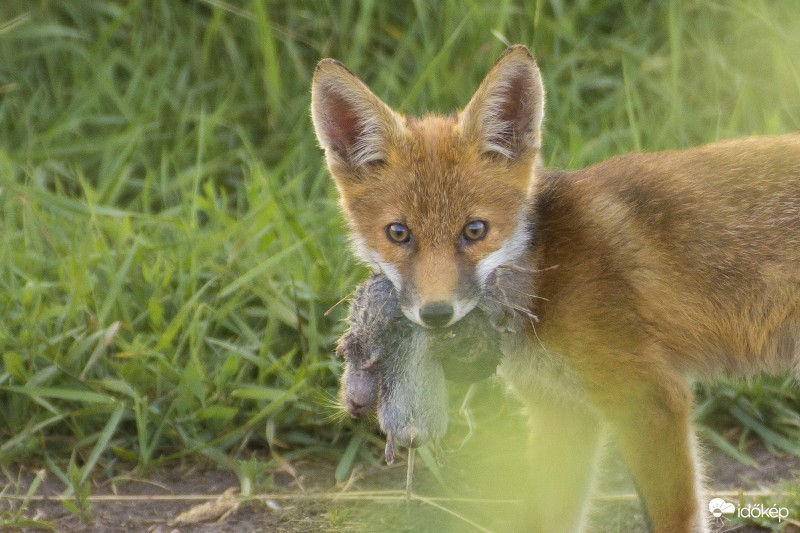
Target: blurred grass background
(169, 238)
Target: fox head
(435, 203)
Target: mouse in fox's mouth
(398, 369)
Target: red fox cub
(643, 270)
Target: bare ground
(308, 500)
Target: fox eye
(475, 230)
(398, 233)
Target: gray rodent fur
(398, 368)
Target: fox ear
(505, 114)
(352, 124)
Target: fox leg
(649, 416)
(562, 453)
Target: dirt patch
(157, 502)
(373, 501)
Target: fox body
(638, 272)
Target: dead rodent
(376, 326)
(398, 368)
(380, 338)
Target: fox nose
(437, 314)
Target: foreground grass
(170, 239)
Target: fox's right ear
(352, 124)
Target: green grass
(169, 238)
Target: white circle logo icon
(718, 507)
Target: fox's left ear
(505, 114)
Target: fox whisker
(517, 268)
(524, 293)
(514, 307)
